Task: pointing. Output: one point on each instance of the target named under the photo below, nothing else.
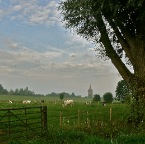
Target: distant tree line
(64, 94)
(27, 92)
(21, 91)
(123, 93)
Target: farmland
(81, 123)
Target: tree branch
(110, 52)
(122, 41)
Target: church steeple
(90, 92)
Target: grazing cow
(55, 102)
(42, 101)
(10, 101)
(26, 102)
(88, 103)
(68, 102)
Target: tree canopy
(123, 90)
(117, 29)
(96, 98)
(108, 97)
(61, 96)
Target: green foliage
(96, 98)
(66, 95)
(73, 94)
(108, 97)
(123, 90)
(61, 96)
(23, 92)
(69, 137)
(17, 91)
(2, 90)
(130, 139)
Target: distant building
(90, 92)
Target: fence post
(88, 119)
(78, 117)
(26, 119)
(60, 119)
(44, 118)
(9, 121)
(110, 114)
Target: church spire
(90, 86)
(90, 92)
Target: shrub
(96, 98)
(108, 97)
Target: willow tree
(118, 26)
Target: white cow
(10, 101)
(88, 103)
(68, 102)
(26, 102)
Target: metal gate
(22, 122)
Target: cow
(55, 102)
(88, 103)
(42, 101)
(26, 102)
(10, 101)
(68, 102)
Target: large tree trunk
(134, 47)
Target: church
(90, 92)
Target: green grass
(81, 123)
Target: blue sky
(37, 51)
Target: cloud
(1, 12)
(26, 59)
(91, 49)
(73, 55)
(52, 62)
(33, 12)
(77, 41)
(16, 8)
(5, 69)
(11, 44)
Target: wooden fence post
(78, 117)
(110, 114)
(60, 119)
(44, 117)
(88, 119)
(9, 121)
(26, 126)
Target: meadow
(81, 123)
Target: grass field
(81, 123)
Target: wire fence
(82, 118)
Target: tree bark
(110, 52)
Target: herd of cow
(27, 101)
(65, 103)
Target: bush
(96, 98)
(108, 97)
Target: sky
(36, 51)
